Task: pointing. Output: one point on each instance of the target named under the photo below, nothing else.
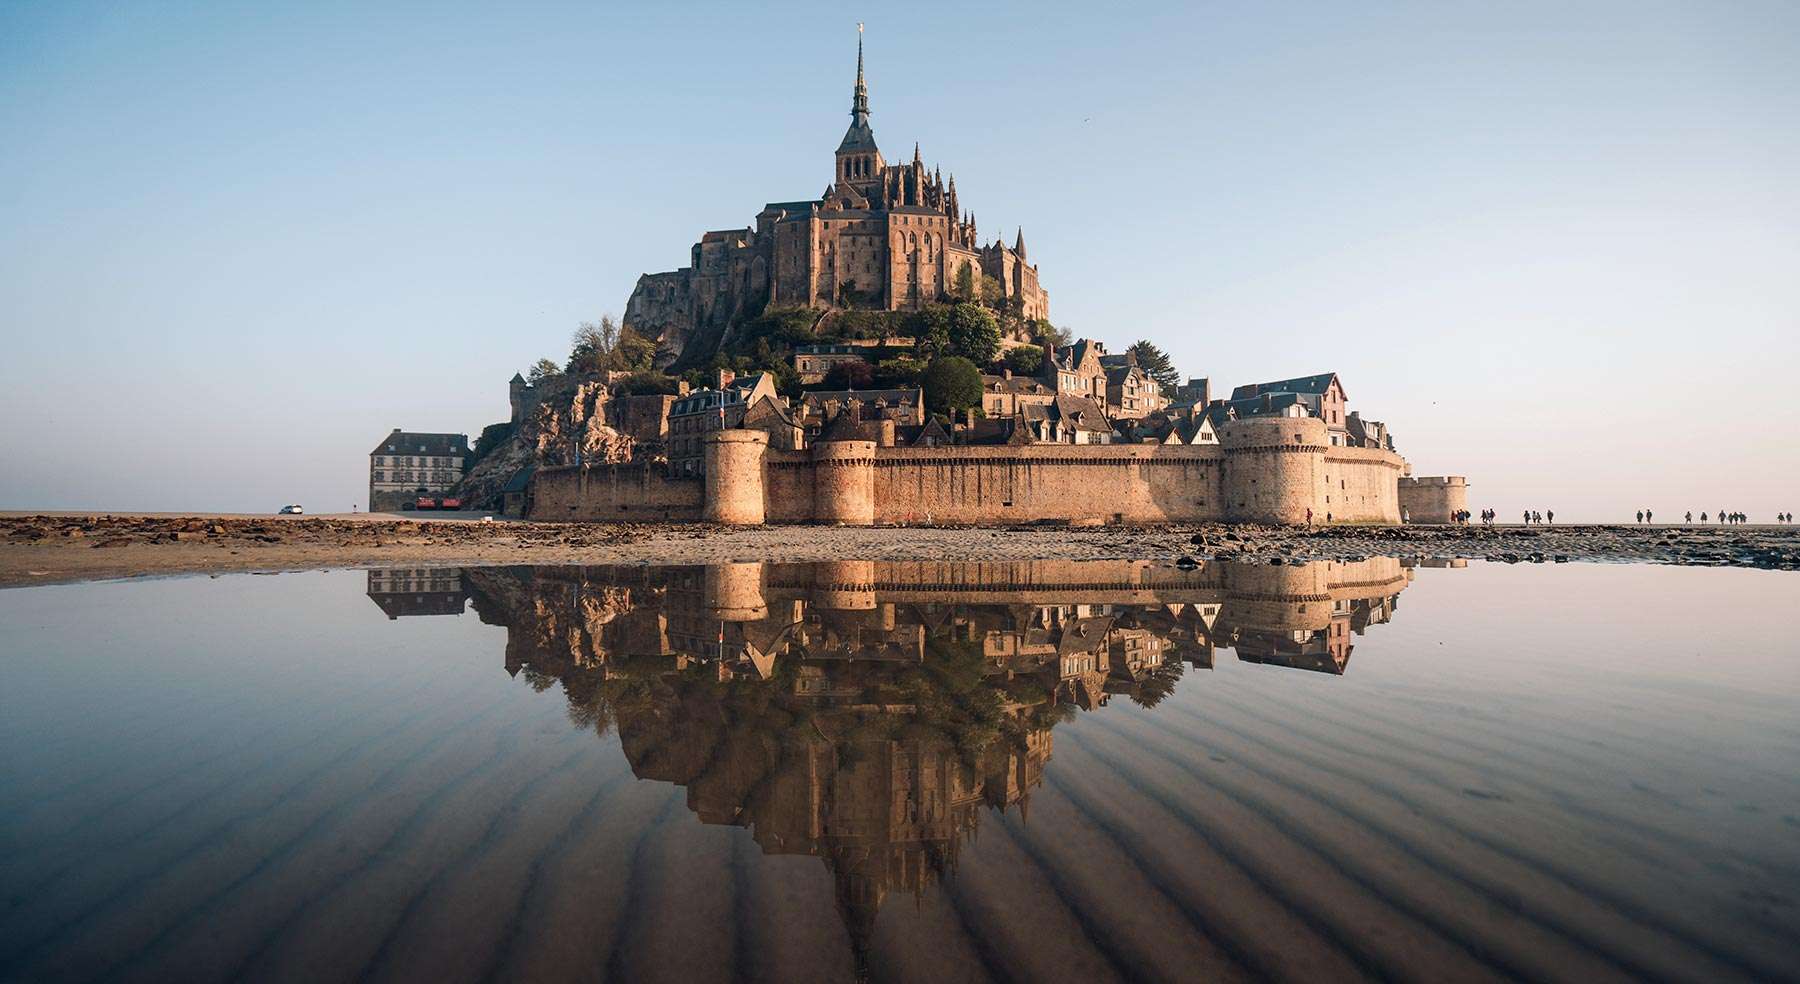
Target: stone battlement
(1264, 471)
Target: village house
(905, 407)
(407, 464)
(1076, 370)
(1003, 395)
(1130, 392)
(1320, 396)
(815, 362)
(692, 416)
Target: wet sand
(49, 548)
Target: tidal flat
(911, 769)
(50, 548)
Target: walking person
(1550, 516)
(1640, 515)
(1527, 517)
(1648, 518)
(1690, 518)
(1702, 519)
(1309, 517)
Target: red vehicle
(425, 502)
(450, 502)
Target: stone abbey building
(883, 236)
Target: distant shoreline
(50, 548)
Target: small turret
(1019, 243)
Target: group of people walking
(1489, 517)
(1532, 517)
(1729, 518)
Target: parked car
(425, 502)
(292, 511)
(450, 502)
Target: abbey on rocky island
(885, 237)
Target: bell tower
(859, 161)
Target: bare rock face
(576, 431)
(569, 426)
(661, 308)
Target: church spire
(859, 103)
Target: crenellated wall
(1130, 483)
(1434, 499)
(1265, 470)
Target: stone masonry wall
(1432, 500)
(614, 493)
(1260, 480)
(1132, 483)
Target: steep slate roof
(1016, 384)
(815, 400)
(418, 442)
(1254, 406)
(1315, 385)
(1091, 416)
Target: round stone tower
(734, 476)
(1274, 469)
(844, 482)
(734, 592)
(844, 586)
(1433, 500)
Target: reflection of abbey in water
(867, 712)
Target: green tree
(647, 382)
(492, 436)
(951, 383)
(1049, 334)
(542, 369)
(932, 328)
(1155, 362)
(990, 291)
(603, 346)
(899, 372)
(964, 285)
(849, 376)
(974, 333)
(1025, 361)
(633, 353)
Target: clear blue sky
(1555, 245)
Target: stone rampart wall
(614, 493)
(1361, 486)
(1260, 479)
(1131, 483)
(1433, 499)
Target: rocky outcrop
(569, 425)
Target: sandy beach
(57, 547)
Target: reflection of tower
(734, 592)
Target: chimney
(725, 378)
(1005, 373)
